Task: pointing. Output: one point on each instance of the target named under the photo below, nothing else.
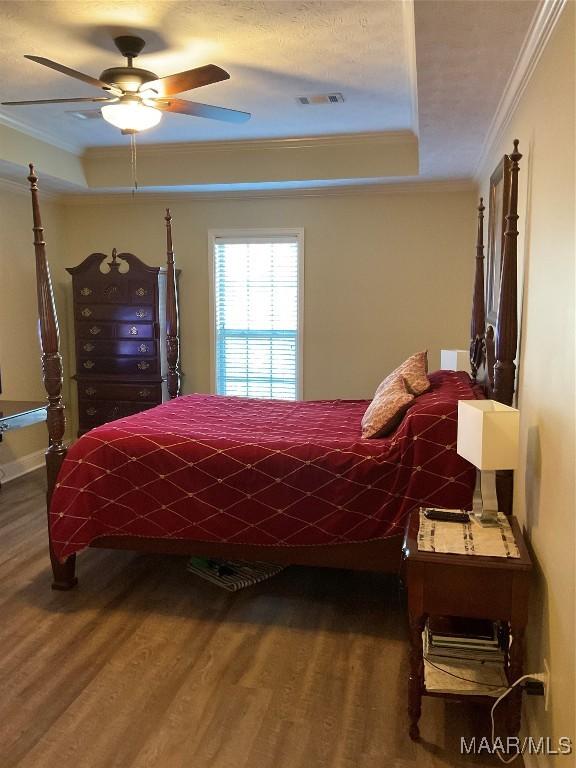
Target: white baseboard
(13, 469)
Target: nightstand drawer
(467, 591)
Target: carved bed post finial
(507, 324)
(478, 324)
(48, 326)
(52, 375)
(172, 337)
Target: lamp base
(487, 518)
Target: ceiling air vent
(323, 98)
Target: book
(488, 654)
(461, 627)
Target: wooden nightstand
(472, 586)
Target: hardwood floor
(147, 665)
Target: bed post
(507, 323)
(478, 324)
(172, 337)
(64, 577)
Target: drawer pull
(88, 364)
(112, 290)
(143, 365)
(144, 393)
(95, 330)
(133, 331)
(86, 312)
(91, 411)
(88, 347)
(140, 313)
(141, 291)
(89, 391)
(115, 412)
(86, 291)
(143, 348)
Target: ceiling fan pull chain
(133, 163)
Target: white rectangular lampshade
(455, 360)
(488, 434)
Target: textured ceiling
(465, 52)
(274, 50)
(461, 52)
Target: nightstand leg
(516, 656)
(416, 683)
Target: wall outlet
(546, 685)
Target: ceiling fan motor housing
(127, 78)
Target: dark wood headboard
(493, 349)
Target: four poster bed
(284, 482)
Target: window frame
(258, 232)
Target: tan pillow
(387, 408)
(413, 371)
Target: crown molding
(358, 190)
(337, 140)
(36, 133)
(20, 188)
(534, 43)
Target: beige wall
(544, 493)
(385, 275)
(19, 347)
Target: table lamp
(455, 360)
(488, 434)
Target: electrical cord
(509, 760)
(505, 693)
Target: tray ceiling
(274, 50)
(436, 68)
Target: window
(256, 312)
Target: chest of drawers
(120, 338)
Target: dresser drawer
(114, 312)
(136, 330)
(95, 412)
(116, 292)
(95, 330)
(140, 293)
(144, 393)
(113, 348)
(117, 365)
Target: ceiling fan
(136, 98)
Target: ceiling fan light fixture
(131, 115)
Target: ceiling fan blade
(186, 81)
(56, 101)
(202, 110)
(74, 73)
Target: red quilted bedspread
(265, 472)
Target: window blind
(256, 316)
